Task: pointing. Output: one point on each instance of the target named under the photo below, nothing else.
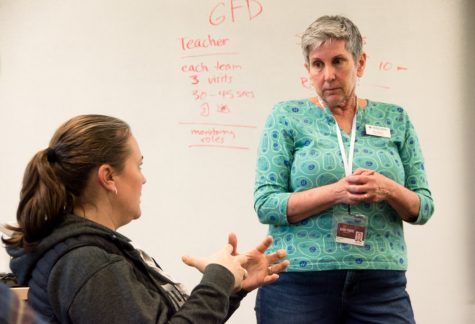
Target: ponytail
(43, 200)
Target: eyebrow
(314, 59)
(342, 56)
(339, 56)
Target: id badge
(350, 228)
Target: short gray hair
(332, 28)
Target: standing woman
(76, 194)
(337, 176)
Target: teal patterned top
(299, 150)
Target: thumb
(189, 261)
(232, 239)
(229, 249)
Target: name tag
(378, 131)
(350, 228)
(350, 234)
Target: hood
(23, 263)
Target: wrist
(338, 193)
(388, 190)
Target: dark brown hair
(55, 178)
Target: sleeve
(209, 302)
(415, 175)
(102, 288)
(235, 302)
(274, 161)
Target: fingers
(273, 271)
(240, 258)
(232, 239)
(264, 245)
(361, 176)
(357, 179)
(277, 267)
(277, 256)
(357, 198)
(199, 264)
(229, 248)
(270, 279)
(362, 171)
(240, 273)
(274, 268)
(359, 171)
(189, 261)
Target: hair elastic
(51, 155)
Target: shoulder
(81, 267)
(89, 252)
(388, 107)
(290, 113)
(292, 106)
(387, 111)
(88, 255)
(76, 259)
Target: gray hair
(332, 28)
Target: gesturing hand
(224, 257)
(262, 269)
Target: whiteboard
(196, 80)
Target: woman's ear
(361, 65)
(105, 175)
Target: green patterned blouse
(299, 150)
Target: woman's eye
(318, 64)
(338, 61)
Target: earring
(115, 190)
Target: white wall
(125, 58)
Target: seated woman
(75, 195)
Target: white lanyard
(347, 163)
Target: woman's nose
(329, 73)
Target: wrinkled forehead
(329, 41)
(329, 47)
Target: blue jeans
(338, 296)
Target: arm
(412, 201)
(211, 301)
(374, 187)
(275, 201)
(112, 290)
(274, 161)
(415, 175)
(304, 204)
